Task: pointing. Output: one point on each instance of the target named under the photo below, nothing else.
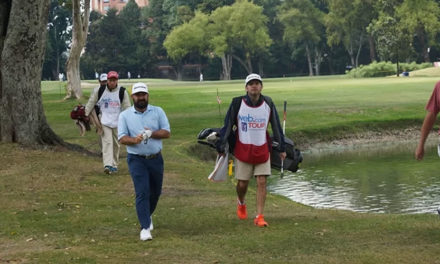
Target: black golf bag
(209, 136)
(293, 156)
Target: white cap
(103, 77)
(253, 76)
(139, 88)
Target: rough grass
(57, 206)
(428, 72)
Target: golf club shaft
(284, 132)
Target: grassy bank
(57, 206)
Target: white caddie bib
(110, 107)
(252, 145)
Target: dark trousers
(147, 176)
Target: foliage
(383, 68)
(240, 31)
(397, 30)
(115, 43)
(421, 18)
(58, 38)
(392, 38)
(346, 23)
(303, 27)
(240, 27)
(187, 38)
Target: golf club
(284, 132)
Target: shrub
(380, 69)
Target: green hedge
(380, 69)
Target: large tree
(238, 29)
(347, 23)
(391, 37)
(188, 38)
(80, 18)
(421, 18)
(304, 27)
(23, 26)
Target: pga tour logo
(243, 126)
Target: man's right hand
(139, 138)
(420, 152)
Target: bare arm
(127, 140)
(428, 123)
(92, 101)
(158, 134)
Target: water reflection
(370, 179)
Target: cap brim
(254, 80)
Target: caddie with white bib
(111, 100)
(245, 130)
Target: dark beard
(141, 104)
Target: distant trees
(58, 38)
(229, 38)
(230, 32)
(191, 37)
(347, 23)
(304, 27)
(116, 43)
(421, 19)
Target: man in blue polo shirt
(141, 128)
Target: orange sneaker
(259, 221)
(241, 211)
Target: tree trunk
(372, 48)
(350, 52)
(309, 60)
(22, 43)
(246, 65)
(79, 37)
(361, 39)
(422, 41)
(318, 60)
(226, 66)
(249, 63)
(179, 71)
(260, 67)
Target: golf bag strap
(121, 93)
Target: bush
(381, 69)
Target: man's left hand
(283, 155)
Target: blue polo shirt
(132, 123)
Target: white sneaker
(151, 223)
(145, 234)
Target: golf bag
(293, 156)
(81, 120)
(209, 137)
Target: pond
(378, 179)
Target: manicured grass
(56, 206)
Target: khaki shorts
(244, 171)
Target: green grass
(56, 206)
(428, 72)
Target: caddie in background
(110, 100)
(103, 79)
(247, 119)
(141, 128)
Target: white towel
(220, 172)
